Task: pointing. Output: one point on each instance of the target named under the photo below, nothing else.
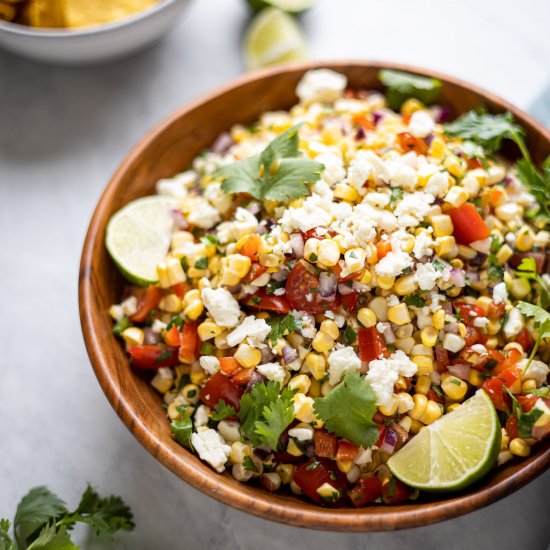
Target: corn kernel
(191, 295)
(271, 260)
(438, 319)
(509, 211)
(170, 273)
(466, 253)
(248, 356)
(442, 225)
(475, 378)
(470, 184)
(366, 277)
(520, 288)
(405, 402)
(445, 245)
(170, 303)
(322, 342)
(366, 317)
(399, 314)
(437, 148)
(542, 239)
(303, 407)
(163, 380)
(405, 285)
(239, 451)
(432, 412)
(345, 192)
(379, 306)
(456, 196)
(293, 449)
(428, 336)
(425, 364)
(329, 327)
(420, 404)
(286, 471)
(314, 390)
(405, 344)
(415, 425)
(410, 106)
(311, 249)
(454, 388)
(300, 383)
(525, 239)
(421, 349)
(194, 310)
(519, 447)
(423, 384)
(316, 364)
(328, 252)
(452, 407)
(133, 336)
(344, 465)
(528, 385)
(355, 259)
(406, 422)
(208, 329)
(327, 492)
(455, 165)
(385, 281)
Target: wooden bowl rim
(263, 504)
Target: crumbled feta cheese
(422, 245)
(201, 416)
(359, 170)
(221, 201)
(272, 371)
(453, 342)
(426, 276)
(244, 223)
(178, 186)
(340, 320)
(222, 306)
(412, 208)
(279, 291)
(392, 300)
(438, 184)
(383, 373)
(334, 171)
(402, 175)
(421, 124)
(436, 300)
(301, 434)
(380, 169)
(321, 85)
(393, 263)
(382, 327)
(341, 361)
(384, 219)
(129, 306)
(481, 322)
(514, 323)
(158, 326)
(211, 447)
(209, 364)
(377, 199)
(499, 293)
(201, 213)
(255, 330)
(313, 213)
(537, 370)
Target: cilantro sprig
(283, 326)
(526, 420)
(265, 414)
(348, 410)
(43, 521)
(222, 411)
(278, 173)
(401, 86)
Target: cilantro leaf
(282, 326)
(249, 465)
(182, 429)
(6, 542)
(121, 326)
(348, 336)
(348, 410)
(279, 172)
(397, 194)
(526, 421)
(414, 300)
(537, 313)
(488, 130)
(537, 184)
(541, 392)
(51, 538)
(222, 411)
(401, 86)
(260, 419)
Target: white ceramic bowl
(94, 44)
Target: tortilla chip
(86, 13)
(46, 13)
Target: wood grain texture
(170, 148)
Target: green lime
(453, 452)
(138, 237)
(290, 6)
(273, 37)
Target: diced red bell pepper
(149, 302)
(525, 339)
(268, 302)
(372, 344)
(495, 311)
(189, 339)
(382, 248)
(408, 142)
(218, 387)
(325, 444)
(349, 301)
(490, 360)
(468, 224)
(229, 365)
(468, 312)
(394, 492)
(181, 289)
(510, 360)
(512, 427)
(527, 402)
(347, 451)
(173, 336)
(316, 472)
(242, 376)
(255, 271)
(441, 358)
(366, 490)
(153, 356)
(494, 387)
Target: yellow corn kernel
(271, 260)
(454, 388)
(452, 407)
(444, 245)
(423, 384)
(442, 225)
(344, 465)
(286, 471)
(328, 252)
(366, 277)
(399, 314)
(193, 294)
(525, 239)
(415, 426)
(239, 451)
(420, 404)
(406, 422)
(238, 264)
(181, 238)
(456, 196)
(475, 378)
(519, 447)
(345, 192)
(542, 239)
(455, 165)
(437, 148)
(438, 319)
(405, 285)
(316, 364)
(405, 402)
(279, 345)
(170, 303)
(379, 306)
(504, 254)
(425, 364)
(311, 248)
(385, 281)
(322, 342)
(505, 439)
(133, 336)
(493, 327)
(410, 106)
(163, 380)
(300, 383)
(462, 329)
(248, 356)
(528, 385)
(194, 310)
(366, 317)
(355, 259)
(466, 252)
(329, 327)
(432, 412)
(428, 336)
(208, 329)
(303, 407)
(314, 389)
(401, 383)
(327, 492)
(390, 408)
(407, 244)
(405, 344)
(170, 273)
(293, 449)
(229, 279)
(520, 288)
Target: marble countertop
(63, 131)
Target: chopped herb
(175, 321)
(202, 263)
(222, 411)
(353, 254)
(495, 272)
(273, 285)
(121, 325)
(491, 364)
(401, 86)
(406, 271)
(526, 422)
(538, 184)
(314, 289)
(282, 326)
(396, 195)
(438, 265)
(207, 348)
(315, 464)
(184, 264)
(249, 465)
(209, 239)
(348, 336)
(391, 487)
(455, 381)
(495, 244)
(165, 354)
(182, 429)
(255, 300)
(313, 257)
(437, 391)
(541, 392)
(414, 300)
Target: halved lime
(453, 452)
(273, 37)
(290, 6)
(138, 237)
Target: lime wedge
(290, 6)
(453, 452)
(273, 37)
(138, 237)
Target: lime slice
(138, 237)
(290, 6)
(454, 451)
(273, 37)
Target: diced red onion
(458, 278)
(473, 276)
(281, 275)
(344, 289)
(150, 337)
(442, 114)
(428, 139)
(447, 307)
(253, 208)
(222, 144)
(451, 326)
(461, 370)
(390, 441)
(402, 436)
(267, 355)
(289, 354)
(255, 378)
(478, 260)
(377, 116)
(179, 220)
(328, 283)
(297, 243)
(389, 336)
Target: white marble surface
(63, 132)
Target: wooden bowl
(169, 149)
